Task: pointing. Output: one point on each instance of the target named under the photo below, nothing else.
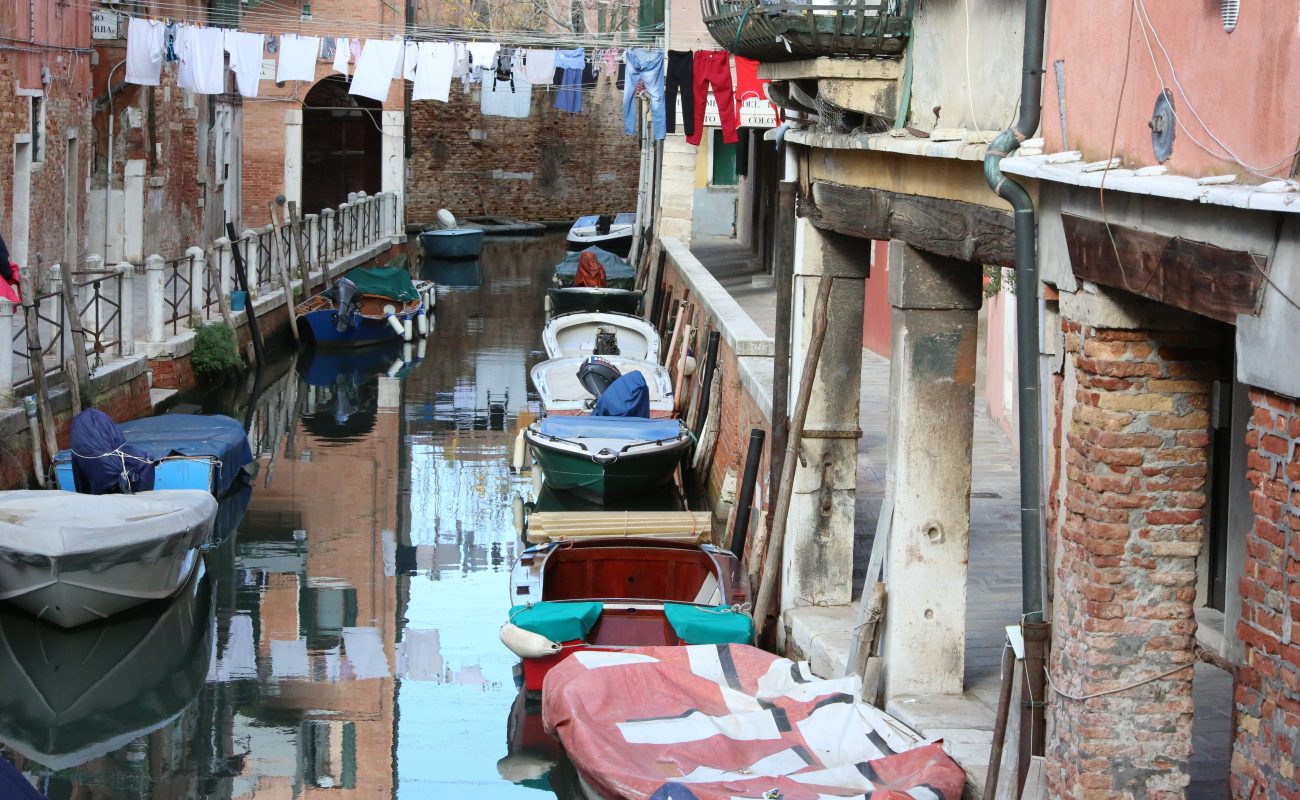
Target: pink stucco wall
(878, 315)
(1243, 83)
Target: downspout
(1034, 628)
(1006, 143)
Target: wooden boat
(75, 695)
(207, 452)
(581, 585)
(604, 458)
(452, 242)
(592, 333)
(563, 394)
(572, 299)
(614, 235)
(364, 307)
(493, 225)
(618, 273)
(71, 558)
(727, 721)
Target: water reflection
(352, 649)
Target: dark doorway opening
(341, 143)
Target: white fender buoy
(408, 330)
(419, 350)
(520, 767)
(546, 305)
(538, 478)
(395, 324)
(517, 508)
(520, 453)
(408, 352)
(433, 299)
(395, 368)
(423, 322)
(689, 368)
(527, 644)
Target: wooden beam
(1194, 276)
(951, 228)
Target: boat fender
(419, 350)
(433, 299)
(395, 368)
(395, 323)
(408, 354)
(688, 368)
(517, 509)
(520, 767)
(408, 330)
(520, 453)
(547, 305)
(538, 478)
(527, 644)
(423, 322)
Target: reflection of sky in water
(357, 606)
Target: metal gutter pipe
(1027, 323)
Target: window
(723, 156)
(38, 129)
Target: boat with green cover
(603, 458)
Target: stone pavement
(993, 579)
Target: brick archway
(341, 144)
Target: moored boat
(498, 225)
(610, 233)
(613, 581)
(732, 721)
(71, 558)
(563, 392)
(571, 299)
(618, 274)
(364, 307)
(603, 458)
(592, 333)
(207, 452)
(452, 242)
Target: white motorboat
(591, 333)
(73, 558)
(614, 235)
(563, 392)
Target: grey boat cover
(85, 530)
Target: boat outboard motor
(348, 300)
(596, 374)
(606, 343)
(626, 397)
(446, 219)
(102, 461)
(603, 222)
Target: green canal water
(343, 640)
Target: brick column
(1136, 441)
(1267, 739)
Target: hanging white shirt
(410, 60)
(375, 69)
(297, 58)
(202, 55)
(245, 51)
(433, 76)
(483, 53)
(144, 51)
(341, 54)
(539, 67)
(505, 98)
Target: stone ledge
(849, 68)
(884, 143)
(742, 334)
(756, 375)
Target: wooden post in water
(36, 361)
(78, 343)
(297, 230)
(285, 277)
(242, 275)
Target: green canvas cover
(618, 273)
(559, 622)
(709, 625)
(391, 282)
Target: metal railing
(792, 30)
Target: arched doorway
(341, 142)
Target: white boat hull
(561, 392)
(574, 335)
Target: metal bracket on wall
(1162, 124)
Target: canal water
(343, 641)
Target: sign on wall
(104, 25)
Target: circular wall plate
(1162, 124)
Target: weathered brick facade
(1135, 476)
(1267, 694)
(552, 165)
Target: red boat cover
(591, 273)
(722, 722)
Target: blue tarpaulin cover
(13, 785)
(630, 428)
(102, 461)
(626, 397)
(200, 435)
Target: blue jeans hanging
(646, 66)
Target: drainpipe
(1034, 627)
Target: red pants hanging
(713, 70)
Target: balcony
(788, 30)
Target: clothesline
(274, 24)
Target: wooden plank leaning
(36, 360)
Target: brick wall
(1136, 450)
(1267, 694)
(552, 165)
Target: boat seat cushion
(709, 624)
(631, 428)
(559, 622)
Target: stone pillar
(6, 353)
(126, 308)
(311, 224)
(293, 155)
(1135, 436)
(344, 221)
(328, 221)
(251, 256)
(198, 279)
(677, 188)
(225, 266)
(817, 560)
(133, 211)
(153, 296)
(936, 303)
(393, 159)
